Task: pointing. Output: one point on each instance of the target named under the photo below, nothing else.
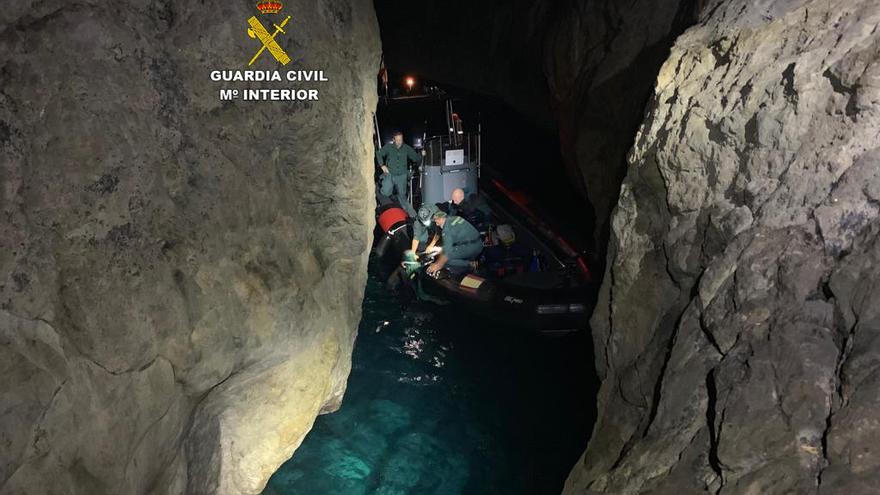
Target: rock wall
(737, 327)
(180, 278)
(599, 59)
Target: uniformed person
(425, 231)
(461, 243)
(392, 158)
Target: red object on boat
(517, 197)
(588, 276)
(391, 217)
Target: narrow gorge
(182, 276)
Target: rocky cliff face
(181, 277)
(736, 331)
(599, 60)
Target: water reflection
(436, 405)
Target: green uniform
(461, 242)
(398, 173)
(420, 232)
(395, 158)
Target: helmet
(424, 215)
(439, 214)
(506, 234)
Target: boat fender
(390, 218)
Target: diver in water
(462, 243)
(393, 159)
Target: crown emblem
(269, 7)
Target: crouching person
(426, 234)
(461, 244)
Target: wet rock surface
(736, 330)
(181, 277)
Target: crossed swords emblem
(268, 40)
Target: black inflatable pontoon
(552, 300)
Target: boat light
(552, 309)
(558, 309)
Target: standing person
(392, 158)
(461, 243)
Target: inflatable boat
(551, 300)
(534, 279)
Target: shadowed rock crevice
(714, 432)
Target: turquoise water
(441, 403)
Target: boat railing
(437, 150)
(449, 163)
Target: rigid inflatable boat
(538, 280)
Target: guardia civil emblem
(259, 32)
